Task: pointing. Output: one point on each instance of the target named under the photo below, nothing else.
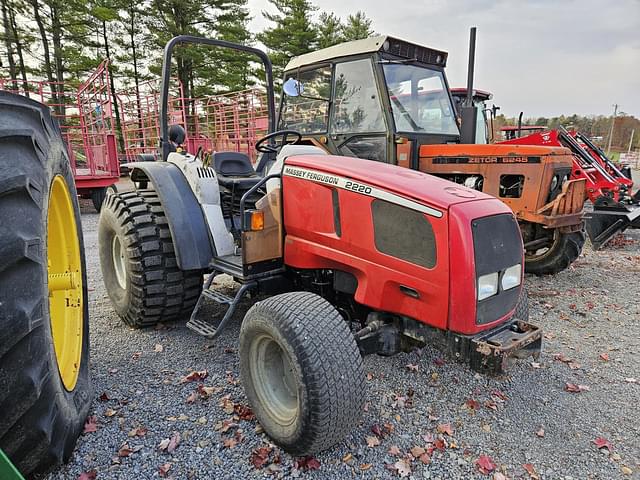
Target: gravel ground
(527, 419)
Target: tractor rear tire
(564, 250)
(302, 371)
(45, 392)
(138, 261)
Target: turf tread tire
(327, 361)
(561, 255)
(157, 290)
(40, 419)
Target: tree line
(597, 127)
(63, 40)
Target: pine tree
(293, 34)
(357, 26)
(329, 29)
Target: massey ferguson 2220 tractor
(349, 257)
(388, 100)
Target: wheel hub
(274, 379)
(64, 282)
(119, 262)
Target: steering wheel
(263, 147)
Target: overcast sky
(544, 57)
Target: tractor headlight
(487, 285)
(511, 277)
(554, 182)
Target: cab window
(357, 107)
(309, 112)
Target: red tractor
(349, 257)
(607, 187)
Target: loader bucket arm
(598, 151)
(166, 78)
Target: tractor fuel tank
(416, 245)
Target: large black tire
(564, 250)
(150, 287)
(298, 346)
(41, 419)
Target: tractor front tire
(565, 248)
(138, 261)
(302, 371)
(45, 392)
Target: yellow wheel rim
(65, 282)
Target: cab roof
(380, 43)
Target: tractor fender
(187, 224)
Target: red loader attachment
(615, 207)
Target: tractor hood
(357, 175)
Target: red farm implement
(86, 119)
(227, 122)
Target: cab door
(357, 125)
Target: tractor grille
(497, 245)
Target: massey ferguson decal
(483, 160)
(358, 187)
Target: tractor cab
(370, 99)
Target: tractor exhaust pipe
(469, 113)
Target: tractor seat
(234, 169)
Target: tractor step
(212, 328)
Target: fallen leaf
(540, 432)
(438, 361)
(229, 442)
(192, 397)
(416, 451)
(347, 458)
(163, 444)
(306, 463)
(574, 388)
(440, 444)
(499, 476)
(365, 466)
(425, 458)
(125, 450)
(536, 365)
(499, 394)
(412, 367)
(89, 475)
(603, 443)
(170, 444)
(195, 376)
(491, 404)
(626, 470)
(206, 392)
(403, 467)
(110, 412)
(138, 432)
(394, 450)
(243, 412)
(486, 427)
(164, 469)
(445, 428)
(158, 348)
(372, 441)
(529, 468)
(472, 404)
(90, 424)
(260, 456)
(104, 398)
(136, 355)
(227, 404)
(113, 370)
(485, 464)
(604, 357)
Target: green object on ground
(7, 470)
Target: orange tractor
(388, 100)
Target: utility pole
(631, 141)
(613, 122)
